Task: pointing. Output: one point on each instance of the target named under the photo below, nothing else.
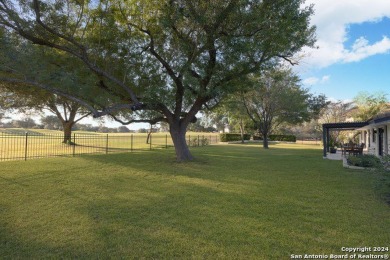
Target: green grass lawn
(233, 201)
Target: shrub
(382, 184)
(366, 160)
(233, 137)
(286, 138)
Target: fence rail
(28, 146)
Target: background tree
(51, 123)
(196, 127)
(123, 129)
(278, 98)
(336, 112)
(67, 112)
(369, 105)
(231, 112)
(175, 58)
(216, 118)
(2, 114)
(25, 122)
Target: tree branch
(150, 121)
(81, 53)
(82, 102)
(50, 30)
(288, 59)
(172, 75)
(82, 117)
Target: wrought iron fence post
(131, 143)
(74, 145)
(189, 140)
(198, 141)
(150, 142)
(166, 141)
(25, 149)
(107, 144)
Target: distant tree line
(52, 123)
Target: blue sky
(353, 55)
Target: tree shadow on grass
(145, 205)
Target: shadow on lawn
(163, 220)
(213, 163)
(225, 204)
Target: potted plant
(332, 146)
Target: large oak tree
(170, 58)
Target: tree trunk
(67, 132)
(242, 131)
(149, 133)
(178, 134)
(265, 140)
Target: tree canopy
(369, 105)
(277, 98)
(170, 59)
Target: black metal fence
(23, 147)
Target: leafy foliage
(163, 60)
(278, 98)
(370, 105)
(365, 160)
(227, 137)
(286, 138)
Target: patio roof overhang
(343, 126)
(377, 121)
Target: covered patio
(344, 126)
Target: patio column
(368, 144)
(377, 142)
(325, 134)
(387, 135)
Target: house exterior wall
(372, 141)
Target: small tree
(26, 122)
(22, 99)
(336, 112)
(278, 98)
(233, 113)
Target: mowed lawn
(233, 201)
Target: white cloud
(314, 80)
(361, 49)
(310, 81)
(325, 78)
(332, 18)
